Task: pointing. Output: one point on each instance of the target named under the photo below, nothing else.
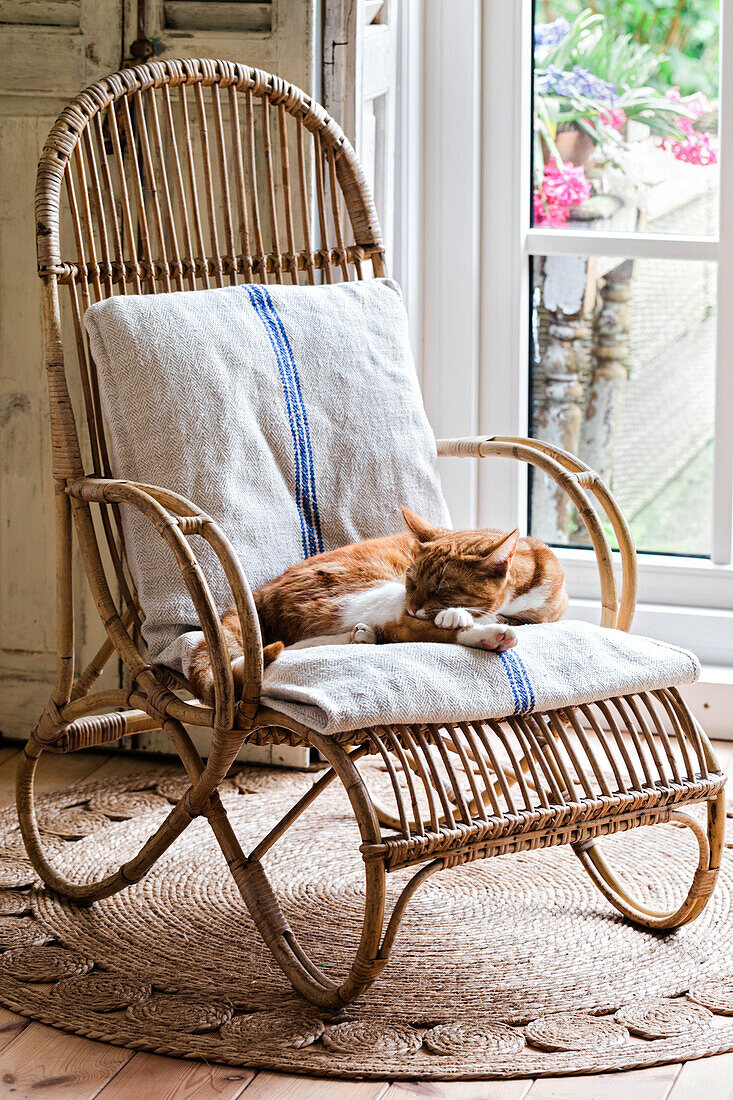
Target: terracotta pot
(574, 146)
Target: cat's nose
(414, 608)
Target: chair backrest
(170, 176)
(178, 175)
(186, 174)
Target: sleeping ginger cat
(428, 584)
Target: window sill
(708, 632)
(663, 580)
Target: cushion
(333, 689)
(292, 415)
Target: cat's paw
(454, 618)
(363, 635)
(492, 636)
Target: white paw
(363, 635)
(454, 618)
(493, 636)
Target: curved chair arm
(574, 477)
(174, 518)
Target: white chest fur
(534, 600)
(380, 604)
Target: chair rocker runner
(160, 171)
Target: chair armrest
(175, 518)
(577, 480)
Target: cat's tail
(270, 652)
(200, 673)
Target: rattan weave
(196, 173)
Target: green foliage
(566, 97)
(682, 34)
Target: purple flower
(549, 34)
(577, 82)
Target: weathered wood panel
(207, 15)
(27, 551)
(360, 88)
(50, 52)
(49, 13)
(56, 49)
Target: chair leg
(132, 871)
(248, 873)
(710, 846)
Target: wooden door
(278, 35)
(52, 49)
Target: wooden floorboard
(8, 759)
(40, 1062)
(284, 1086)
(120, 764)
(55, 771)
(458, 1090)
(636, 1084)
(174, 1079)
(11, 1025)
(705, 1079)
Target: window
(624, 140)
(597, 326)
(622, 374)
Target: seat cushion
(292, 415)
(333, 689)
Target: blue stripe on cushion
(527, 681)
(310, 487)
(521, 685)
(258, 303)
(304, 477)
(286, 360)
(269, 320)
(519, 681)
(509, 670)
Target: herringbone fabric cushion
(553, 665)
(292, 415)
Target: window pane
(626, 115)
(623, 375)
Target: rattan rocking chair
(154, 200)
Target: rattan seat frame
(164, 168)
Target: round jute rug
(513, 966)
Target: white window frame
(476, 249)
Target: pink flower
(697, 148)
(614, 116)
(561, 187)
(548, 214)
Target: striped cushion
(553, 665)
(292, 415)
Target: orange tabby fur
(427, 584)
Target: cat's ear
(500, 557)
(422, 529)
